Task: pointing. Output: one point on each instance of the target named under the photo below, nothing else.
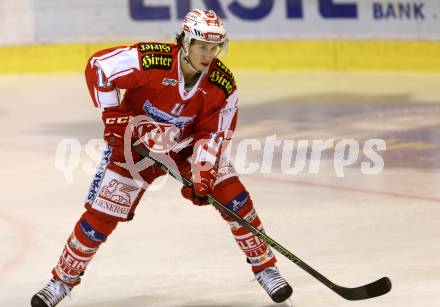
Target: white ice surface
(353, 230)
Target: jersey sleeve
(215, 129)
(110, 70)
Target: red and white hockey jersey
(154, 83)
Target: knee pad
(234, 196)
(93, 228)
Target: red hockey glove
(189, 194)
(203, 184)
(115, 122)
(204, 180)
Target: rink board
(278, 55)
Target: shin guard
(89, 233)
(232, 193)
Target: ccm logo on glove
(117, 120)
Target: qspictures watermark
(296, 153)
(251, 156)
(71, 156)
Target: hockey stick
(374, 289)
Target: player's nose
(209, 57)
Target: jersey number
(177, 109)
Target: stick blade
(374, 289)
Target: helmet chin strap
(186, 58)
(190, 64)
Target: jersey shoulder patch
(155, 47)
(156, 55)
(222, 77)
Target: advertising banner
(107, 20)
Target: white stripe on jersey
(107, 55)
(107, 99)
(115, 64)
(122, 61)
(120, 74)
(227, 114)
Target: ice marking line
(24, 243)
(350, 189)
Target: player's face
(202, 53)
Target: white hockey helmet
(204, 26)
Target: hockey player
(183, 85)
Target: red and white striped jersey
(152, 77)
